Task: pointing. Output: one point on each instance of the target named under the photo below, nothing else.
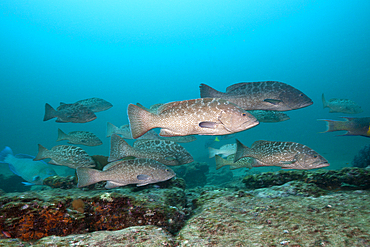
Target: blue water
(160, 51)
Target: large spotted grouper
(263, 95)
(205, 116)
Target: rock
(38, 214)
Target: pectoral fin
(209, 125)
(273, 101)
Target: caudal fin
(333, 125)
(212, 152)
(324, 102)
(4, 153)
(119, 148)
(240, 150)
(111, 129)
(208, 92)
(61, 135)
(49, 112)
(220, 162)
(87, 176)
(140, 120)
(41, 154)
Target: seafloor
(286, 208)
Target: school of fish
(220, 114)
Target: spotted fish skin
(287, 155)
(124, 172)
(73, 113)
(247, 162)
(167, 148)
(354, 126)
(341, 106)
(66, 155)
(93, 104)
(166, 152)
(264, 116)
(79, 137)
(205, 116)
(264, 95)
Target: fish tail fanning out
(49, 112)
(87, 176)
(61, 135)
(220, 162)
(209, 92)
(140, 120)
(4, 153)
(41, 153)
(119, 148)
(212, 152)
(241, 151)
(324, 102)
(111, 129)
(333, 125)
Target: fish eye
(315, 156)
(301, 94)
(167, 170)
(244, 114)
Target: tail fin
(212, 152)
(111, 129)
(119, 148)
(208, 92)
(49, 112)
(87, 176)
(333, 125)
(61, 135)
(324, 102)
(241, 150)
(3, 154)
(41, 153)
(140, 120)
(220, 162)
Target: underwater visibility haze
(57, 57)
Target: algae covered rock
(346, 178)
(34, 215)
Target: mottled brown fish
(166, 152)
(247, 162)
(206, 116)
(264, 95)
(65, 155)
(79, 137)
(178, 139)
(123, 172)
(264, 116)
(93, 104)
(74, 113)
(354, 126)
(341, 106)
(287, 155)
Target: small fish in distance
(69, 113)
(287, 155)
(263, 95)
(224, 151)
(93, 104)
(64, 155)
(34, 172)
(205, 116)
(79, 137)
(354, 126)
(341, 106)
(123, 172)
